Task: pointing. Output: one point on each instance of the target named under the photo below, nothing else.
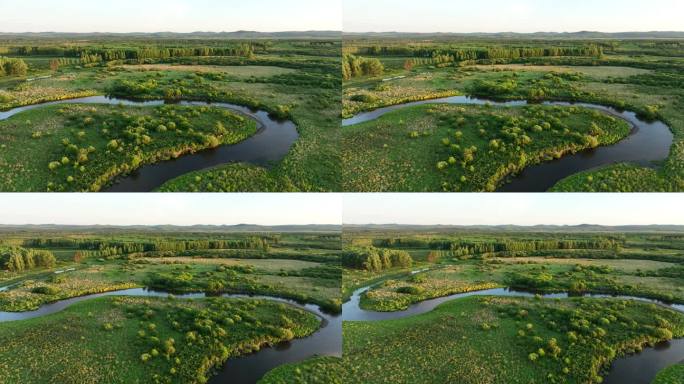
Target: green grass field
(466, 148)
(160, 340)
(317, 370)
(83, 148)
(301, 84)
(504, 340)
(143, 340)
(671, 375)
(648, 83)
(304, 267)
(639, 278)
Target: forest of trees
(485, 53)
(17, 259)
(94, 54)
(668, 238)
(104, 248)
(12, 67)
(355, 66)
(375, 259)
(466, 247)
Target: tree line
(466, 247)
(12, 67)
(462, 54)
(355, 66)
(113, 247)
(93, 54)
(17, 259)
(375, 259)
(668, 237)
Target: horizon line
(522, 33)
(340, 31)
(167, 31)
(518, 225)
(168, 225)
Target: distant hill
(169, 228)
(246, 228)
(584, 228)
(237, 35)
(514, 35)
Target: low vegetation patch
(506, 340)
(127, 339)
(671, 375)
(83, 148)
(467, 148)
(317, 370)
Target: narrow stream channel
(639, 368)
(269, 145)
(648, 142)
(248, 369)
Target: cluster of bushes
(302, 79)
(192, 87)
(100, 145)
(659, 78)
(397, 295)
(375, 259)
(195, 87)
(17, 259)
(171, 281)
(510, 86)
(588, 278)
(515, 142)
(493, 88)
(559, 338)
(179, 341)
(45, 290)
(131, 88)
(239, 279)
(530, 280)
(355, 66)
(315, 370)
(12, 67)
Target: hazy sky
(177, 209)
(169, 15)
(513, 15)
(520, 209)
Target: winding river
(639, 368)
(270, 144)
(647, 143)
(247, 369)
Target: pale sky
(518, 209)
(169, 15)
(513, 15)
(175, 209)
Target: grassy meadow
(504, 339)
(297, 80)
(643, 76)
